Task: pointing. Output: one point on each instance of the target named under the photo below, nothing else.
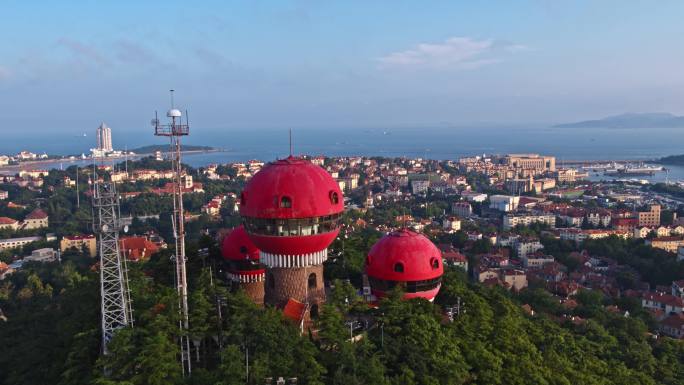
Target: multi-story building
(536, 260)
(37, 219)
(11, 243)
(668, 303)
(650, 217)
(451, 224)
(598, 218)
(536, 162)
(527, 246)
(419, 186)
(670, 244)
(46, 254)
(512, 220)
(89, 242)
(104, 138)
(579, 235)
(462, 209)
(503, 203)
(474, 196)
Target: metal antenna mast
(174, 130)
(116, 301)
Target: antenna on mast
(174, 130)
(290, 142)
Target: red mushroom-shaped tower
(291, 210)
(243, 266)
(407, 259)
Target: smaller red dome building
(243, 266)
(408, 259)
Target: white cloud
(83, 51)
(454, 53)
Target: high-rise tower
(104, 138)
(174, 130)
(291, 209)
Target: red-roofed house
(8, 223)
(666, 302)
(37, 219)
(137, 248)
(673, 326)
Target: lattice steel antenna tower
(116, 300)
(174, 130)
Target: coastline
(66, 162)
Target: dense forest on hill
(51, 335)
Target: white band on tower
(304, 260)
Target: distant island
(635, 120)
(677, 160)
(151, 149)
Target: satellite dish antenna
(126, 229)
(105, 228)
(154, 122)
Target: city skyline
(304, 64)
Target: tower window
(312, 281)
(243, 250)
(243, 198)
(399, 267)
(286, 202)
(435, 263)
(334, 198)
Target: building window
(334, 198)
(434, 263)
(243, 198)
(286, 202)
(314, 311)
(399, 267)
(312, 281)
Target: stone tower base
(305, 284)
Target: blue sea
(434, 143)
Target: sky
(65, 66)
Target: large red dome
(407, 258)
(291, 188)
(237, 246)
(291, 207)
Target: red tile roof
(294, 310)
(37, 214)
(7, 221)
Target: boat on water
(633, 170)
(600, 166)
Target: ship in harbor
(633, 170)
